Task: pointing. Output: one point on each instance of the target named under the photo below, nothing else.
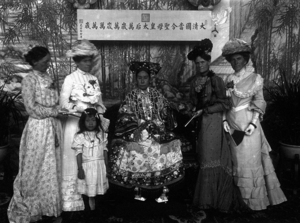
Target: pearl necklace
(146, 103)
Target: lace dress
(37, 185)
(253, 170)
(79, 88)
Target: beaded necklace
(146, 103)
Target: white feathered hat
(83, 48)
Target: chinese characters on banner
(150, 25)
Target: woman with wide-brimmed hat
(253, 170)
(80, 90)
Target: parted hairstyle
(35, 54)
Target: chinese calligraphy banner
(149, 25)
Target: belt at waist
(239, 108)
(86, 160)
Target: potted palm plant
(12, 111)
(283, 113)
(10, 115)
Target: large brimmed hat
(235, 46)
(151, 68)
(204, 47)
(83, 48)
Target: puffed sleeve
(65, 94)
(220, 102)
(258, 102)
(33, 108)
(192, 94)
(100, 108)
(78, 144)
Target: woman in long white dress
(80, 90)
(253, 170)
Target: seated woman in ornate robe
(145, 153)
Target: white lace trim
(71, 199)
(257, 86)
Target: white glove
(81, 107)
(249, 130)
(101, 108)
(226, 126)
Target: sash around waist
(86, 160)
(239, 108)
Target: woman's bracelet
(253, 125)
(225, 120)
(73, 107)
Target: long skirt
(71, 198)
(215, 188)
(253, 170)
(37, 185)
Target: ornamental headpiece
(149, 67)
(203, 48)
(83, 48)
(235, 46)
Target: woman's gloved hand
(226, 126)
(80, 107)
(250, 129)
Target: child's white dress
(93, 164)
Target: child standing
(90, 144)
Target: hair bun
(203, 48)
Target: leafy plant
(10, 114)
(12, 110)
(284, 105)
(48, 23)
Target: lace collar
(241, 72)
(247, 85)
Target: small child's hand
(108, 171)
(81, 174)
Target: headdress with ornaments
(235, 46)
(149, 67)
(83, 48)
(203, 48)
